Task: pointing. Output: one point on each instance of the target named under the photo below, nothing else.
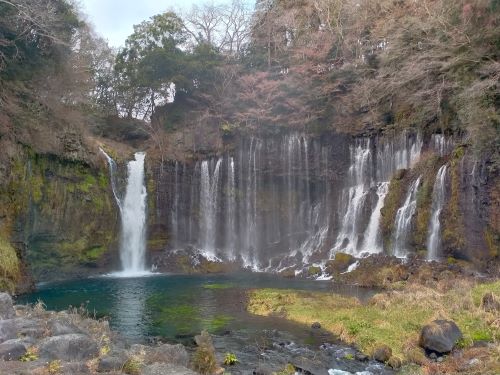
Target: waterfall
(231, 214)
(403, 221)
(280, 201)
(133, 236)
(438, 197)
(133, 216)
(175, 206)
(372, 165)
(209, 207)
(441, 144)
(373, 242)
(354, 197)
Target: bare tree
(236, 31)
(225, 27)
(38, 21)
(204, 23)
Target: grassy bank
(393, 318)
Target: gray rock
(12, 350)
(361, 357)
(60, 326)
(114, 361)
(74, 368)
(6, 307)
(8, 330)
(440, 336)
(166, 369)
(22, 368)
(166, 353)
(262, 370)
(111, 363)
(35, 328)
(71, 348)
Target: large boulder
(35, 328)
(71, 348)
(61, 326)
(6, 307)
(8, 330)
(111, 363)
(440, 336)
(12, 350)
(166, 369)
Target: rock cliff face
(263, 202)
(59, 217)
(292, 200)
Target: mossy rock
(382, 353)
(9, 267)
(314, 271)
(288, 273)
(340, 263)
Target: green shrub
(230, 359)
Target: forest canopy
(353, 66)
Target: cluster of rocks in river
(34, 341)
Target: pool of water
(176, 307)
(170, 306)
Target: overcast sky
(114, 19)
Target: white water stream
(438, 198)
(133, 217)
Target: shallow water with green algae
(177, 307)
(171, 306)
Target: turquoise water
(177, 307)
(170, 306)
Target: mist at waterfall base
(132, 216)
(292, 200)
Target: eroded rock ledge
(35, 341)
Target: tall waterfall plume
(133, 217)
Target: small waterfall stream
(112, 177)
(210, 176)
(438, 198)
(133, 216)
(403, 221)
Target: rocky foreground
(34, 341)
